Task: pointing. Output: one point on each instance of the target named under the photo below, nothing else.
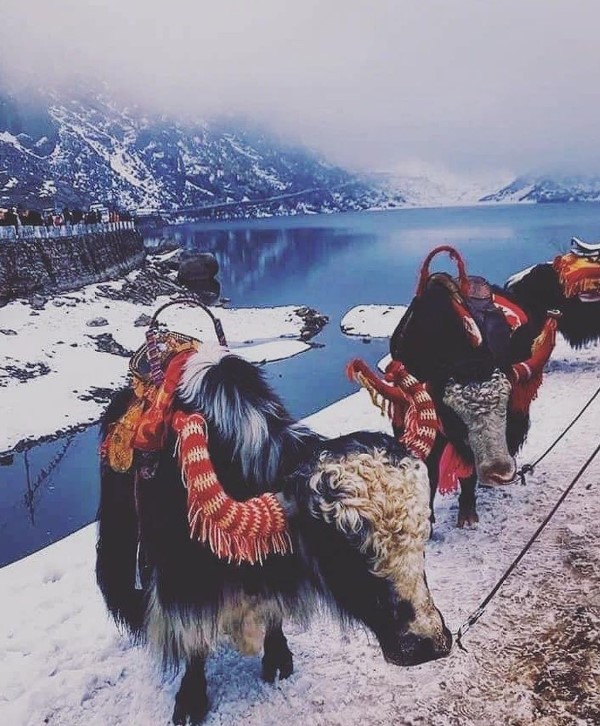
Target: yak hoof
(188, 715)
(467, 519)
(191, 707)
(282, 663)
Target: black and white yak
(480, 350)
(357, 511)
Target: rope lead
(476, 614)
(528, 468)
(525, 469)
(466, 626)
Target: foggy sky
(468, 85)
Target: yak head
(364, 520)
(481, 408)
(466, 380)
(538, 289)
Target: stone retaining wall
(67, 263)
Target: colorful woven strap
(154, 423)
(577, 274)
(238, 531)
(156, 371)
(404, 399)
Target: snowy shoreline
(66, 356)
(63, 662)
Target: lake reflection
(47, 492)
(337, 261)
(331, 263)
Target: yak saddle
(237, 531)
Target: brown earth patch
(562, 663)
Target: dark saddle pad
(479, 301)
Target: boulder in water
(197, 267)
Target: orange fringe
(577, 274)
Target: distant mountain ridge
(449, 190)
(548, 189)
(75, 152)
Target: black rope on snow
(529, 468)
(525, 469)
(476, 614)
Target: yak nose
(500, 472)
(416, 649)
(426, 649)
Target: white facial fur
(483, 409)
(387, 506)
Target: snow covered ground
(375, 321)
(55, 350)
(532, 658)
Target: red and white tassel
(238, 531)
(527, 375)
(405, 400)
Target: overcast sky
(467, 85)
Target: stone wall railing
(29, 266)
(26, 231)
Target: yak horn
(541, 350)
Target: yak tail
(248, 425)
(117, 545)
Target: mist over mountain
(544, 189)
(60, 150)
(80, 147)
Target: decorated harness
(478, 307)
(238, 531)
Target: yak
(356, 513)
(480, 350)
(569, 284)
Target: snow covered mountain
(89, 148)
(439, 188)
(545, 189)
(77, 151)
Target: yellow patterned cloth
(145, 424)
(577, 275)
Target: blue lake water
(328, 262)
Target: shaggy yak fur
(431, 342)
(358, 510)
